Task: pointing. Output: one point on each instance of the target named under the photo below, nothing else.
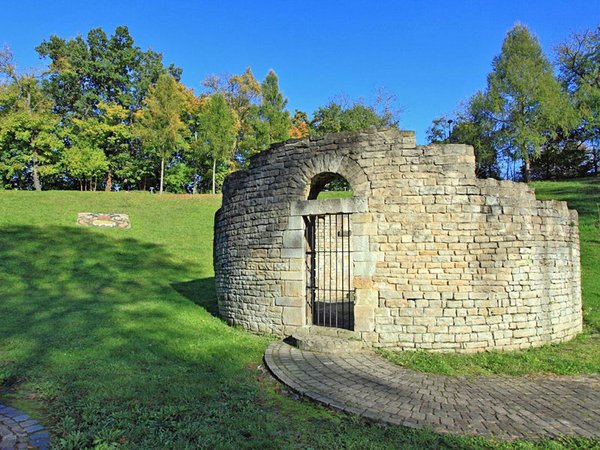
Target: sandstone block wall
(441, 260)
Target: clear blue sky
(431, 54)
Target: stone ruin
(423, 255)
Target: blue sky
(430, 54)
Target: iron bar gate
(330, 299)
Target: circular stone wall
(439, 260)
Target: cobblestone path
(19, 431)
(504, 407)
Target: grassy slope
(110, 336)
(582, 355)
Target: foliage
(159, 124)
(300, 125)
(84, 72)
(85, 163)
(29, 147)
(217, 131)
(523, 100)
(105, 139)
(272, 110)
(177, 177)
(242, 93)
(564, 156)
(525, 119)
(471, 127)
(106, 100)
(338, 116)
(579, 66)
(28, 131)
(439, 130)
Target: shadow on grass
(581, 194)
(201, 292)
(91, 321)
(101, 329)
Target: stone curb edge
(38, 437)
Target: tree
(86, 72)
(300, 125)
(562, 157)
(159, 125)
(523, 100)
(272, 110)
(579, 68)
(336, 117)
(105, 78)
(243, 94)
(107, 133)
(29, 145)
(85, 163)
(439, 131)
(217, 131)
(470, 127)
(28, 131)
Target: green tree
(217, 131)
(29, 141)
(84, 72)
(439, 131)
(85, 163)
(336, 117)
(159, 124)
(579, 68)
(562, 157)
(243, 95)
(108, 133)
(469, 126)
(523, 100)
(272, 110)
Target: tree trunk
(80, 185)
(162, 174)
(108, 182)
(214, 184)
(36, 176)
(527, 168)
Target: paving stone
(19, 431)
(502, 407)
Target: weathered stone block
(293, 316)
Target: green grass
(111, 337)
(579, 356)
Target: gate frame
(366, 297)
(313, 288)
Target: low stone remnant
(103, 220)
(438, 259)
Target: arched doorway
(330, 298)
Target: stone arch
(315, 172)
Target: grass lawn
(110, 337)
(581, 355)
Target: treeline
(530, 123)
(105, 114)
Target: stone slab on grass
(103, 220)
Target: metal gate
(330, 298)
